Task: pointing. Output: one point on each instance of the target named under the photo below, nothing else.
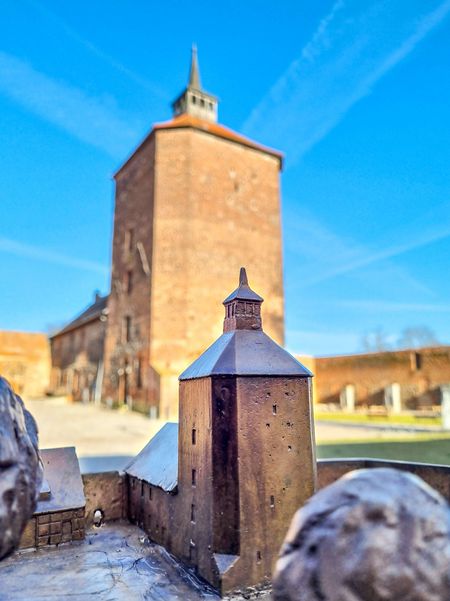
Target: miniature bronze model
(20, 469)
(375, 534)
(219, 490)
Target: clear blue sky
(355, 92)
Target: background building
(25, 362)
(77, 354)
(396, 380)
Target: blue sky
(355, 92)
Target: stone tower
(193, 202)
(246, 457)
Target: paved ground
(119, 435)
(114, 563)
(115, 435)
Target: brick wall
(25, 362)
(419, 373)
(201, 207)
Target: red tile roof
(185, 120)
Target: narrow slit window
(272, 501)
(194, 436)
(194, 477)
(129, 281)
(150, 494)
(129, 239)
(258, 555)
(274, 409)
(193, 513)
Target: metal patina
(20, 469)
(375, 534)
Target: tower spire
(194, 100)
(242, 307)
(194, 73)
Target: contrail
(351, 50)
(20, 249)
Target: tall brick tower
(193, 202)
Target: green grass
(365, 418)
(424, 450)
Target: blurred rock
(20, 468)
(374, 535)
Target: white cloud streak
(36, 253)
(95, 121)
(100, 54)
(354, 46)
(323, 254)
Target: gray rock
(374, 535)
(20, 468)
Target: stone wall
(53, 529)
(25, 362)
(106, 492)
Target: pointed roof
(95, 311)
(243, 291)
(245, 353)
(194, 73)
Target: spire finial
(243, 280)
(194, 73)
(242, 307)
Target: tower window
(202, 102)
(194, 436)
(193, 513)
(127, 328)
(194, 100)
(142, 489)
(416, 361)
(274, 409)
(272, 501)
(194, 477)
(129, 281)
(258, 556)
(129, 239)
(150, 492)
(139, 373)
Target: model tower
(246, 449)
(193, 202)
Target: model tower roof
(244, 349)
